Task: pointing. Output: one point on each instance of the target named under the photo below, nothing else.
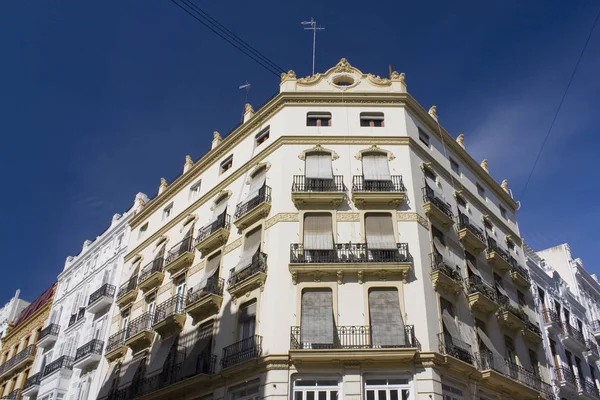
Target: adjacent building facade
(69, 362)
(10, 311)
(339, 243)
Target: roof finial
(286, 76)
(504, 186)
(216, 139)
(461, 140)
(188, 164)
(484, 165)
(248, 112)
(163, 185)
(433, 112)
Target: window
(593, 375)
(247, 320)
(318, 235)
(437, 234)
(387, 389)
(535, 365)
(429, 174)
(262, 136)
(318, 119)
(510, 349)
(318, 171)
(387, 327)
(480, 190)
(487, 224)
(451, 393)
(502, 211)
(521, 298)
(227, 164)
(167, 211)
(151, 304)
(143, 231)
(381, 240)
(119, 242)
(316, 319)
(510, 244)
(376, 171)
(372, 119)
(251, 249)
(249, 393)
(257, 183)
(423, 137)
(195, 190)
(461, 201)
(312, 389)
(455, 167)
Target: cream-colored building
(339, 243)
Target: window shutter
(387, 327)
(317, 318)
(318, 232)
(212, 266)
(251, 246)
(380, 232)
(318, 166)
(376, 167)
(201, 346)
(108, 383)
(257, 182)
(219, 209)
(158, 355)
(128, 373)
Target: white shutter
(318, 233)
(318, 166)
(380, 232)
(251, 246)
(219, 208)
(257, 182)
(376, 167)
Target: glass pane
(398, 381)
(376, 382)
(394, 394)
(405, 394)
(297, 395)
(305, 383)
(327, 383)
(370, 395)
(334, 395)
(310, 395)
(381, 395)
(322, 395)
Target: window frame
(424, 137)
(481, 191)
(399, 386)
(194, 193)
(372, 119)
(143, 231)
(319, 117)
(167, 211)
(226, 164)
(316, 388)
(454, 166)
(262, 136)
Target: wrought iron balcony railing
(488, 361)
(476, 284)
(94, 346)
(63, 362)
(430, 197)
(127, 287)
(356, 337)
(52, 329)
(438, 264)
(33, 380)
(140, 324)
(551, 316)
(263, 196)
(223, 221)
(153, 266)
(505, 305)
(455, 347)
(395, 185)
(533, 327)
(213, 285)
(521, 271)
(304, 184)
(592, 347)
(245, 349)
(116, 340)
(464, 223)
(185, 246)
(20, 356)
(257, 264)
(588, 387)
(564, 374)
(492, 246)
(570, 330)
(168, 308)
(107, 290)
(349, 253)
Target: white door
(180, 293)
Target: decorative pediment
(257, 167)
(318, 149)
(222, 195)
(375, 149)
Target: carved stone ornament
(461, 140)
(248, 109)
(309, 80)
(257, 167)
(162, 240)
(375, 149)
(340, 277)
(188, 161)
(216, 135)
(504, 185)
(484, 165)
(287, 76)
(191, 218)
(361, 277)
(398, 77)
(378, 81)
(318, 149)
(221, 196)
(163, 185)
(343, 66)
(433, 112)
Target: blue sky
(101, 99)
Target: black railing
(63, 362)
(356, 337)
(492, 246)
(223, 221)
(595, 326)
(455, 347)
(505, 305)
(152, 267)
(430, 197)
(592, 347)
(438, 264)
(245, 349)
(185, 246)
(486, 360)
(533, 327)
(127, 287)
(116, 340)
(588, 387)
(304, 184)
(17, 358)
(52, 329)
(213, 285)
(257, 264)
(464, 223)
(33, 380)
(570, 330)
(475, 284)
(140, 324)
(521, 271)
(565, 375)
(550, 316)
(263, 196)
(395, 185)
(166, 309)
(349, 253)
(94, 346)
(107, 290)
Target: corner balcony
(253, 210)
(76, 319)
(355, 343)
(180, 256)
(32, 385)
(445, 279)
(139, 333)
(88, 356)
(437, 209)
(366, 193)
(457, 353)
(481, 296)
(101, 299)
(115, 347)
(48, 336)
(586, 389)
(520, 276)
(498, 258)
(246, 349)
(591, 352)
(572, 338)
(471, 236)
(510, 317)
(249, 278)
(595, 329)
(205, 301)
(169, 317)
(566, 382)
(552, 321)
(532, 333)
(61, 364)
(213, 235)
(322, 193)
(127, 292)
(349, 258)
(151, 276)
(19, 361)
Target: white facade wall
(10, 311)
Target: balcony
(205, 301)
(498, 258)
(213, 235)
(19, 361)
(63, 363)
(88, 355)
(591, 351)
(115, 347)
(445, 279)
(572, 337)
(532, 333)
(16, 394)
(520, 276)
(169, 317)
(253, 210)
(379, 194)
(595, 329)
(469, 235)
(180, 256)
(139, 333)
(249, 278)
(76, 319)
(244, 350)
(566, 381)
(457, 350)
(510, 317)
(350, 258)
(151, 276)
(324, 193)
(32, 385)
(552, 321)
(436, 209)
(354, 343)
(101, 299)
(127, 292)
(48, 336)
(481, 296)
(587, 389)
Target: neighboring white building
(10, 311)
(69, 363)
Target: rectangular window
(195, 191)
(311, 389)
(167, 211)
(317, 168)
(480, 190)
(521, 298)
(423, 137)
(249, 393)
(318, 232)
(316, 319)
(376, 169)
(437, 234)
(318, 119)
(379, 231)
(451, 393)
(371, 119)
(461, 201)
(535, 365)
(227, 164)
(387, 327)
(455, 167)
(510, 244)
(257, 182)
(251, 249)
(510, 348)
(143, 231)
(262, 136)
(387, 389)
(502, 212)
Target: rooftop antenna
(246, 88)
(313, 27)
